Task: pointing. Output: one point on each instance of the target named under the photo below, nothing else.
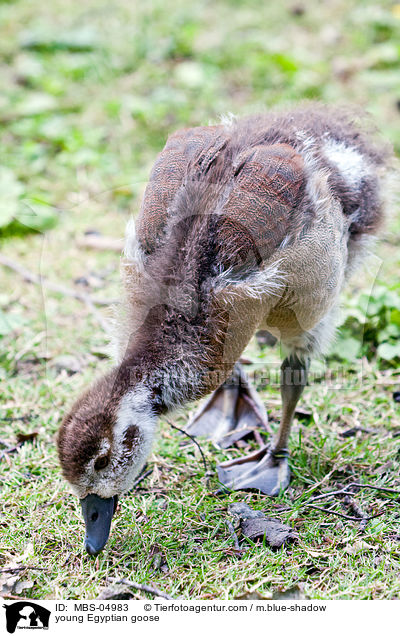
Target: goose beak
(97, 513)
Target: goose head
(103, 444)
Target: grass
(90, 93)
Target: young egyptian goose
(251, 224)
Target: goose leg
(233, 411)
(267, 469)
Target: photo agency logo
(26, 615)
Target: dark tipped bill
(97, 513)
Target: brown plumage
(255, 224)
(257, 159)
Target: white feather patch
(266, 282)
(132, 249)
(351, 164)
(134, 410)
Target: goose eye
(101, 462)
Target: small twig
(234, 536)
(20, 418)
(348, 490)
(340, 514)
(10, 449)
(351, 432)
(355, 508)
(141, 477)
(345, 491)
(20, 569)
(333, 493)
(36, 279)
(17, 598)
(143, 588)
(102, 243)
(315, 487)
(181, 430)
(390, 490)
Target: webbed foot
(264, 470)
(232, 412)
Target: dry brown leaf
(115, 592)
(26, 437)
(276, 533)
(253, 596)
(296, 592)
(359, 546)
(13, 572)
(255, 525)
